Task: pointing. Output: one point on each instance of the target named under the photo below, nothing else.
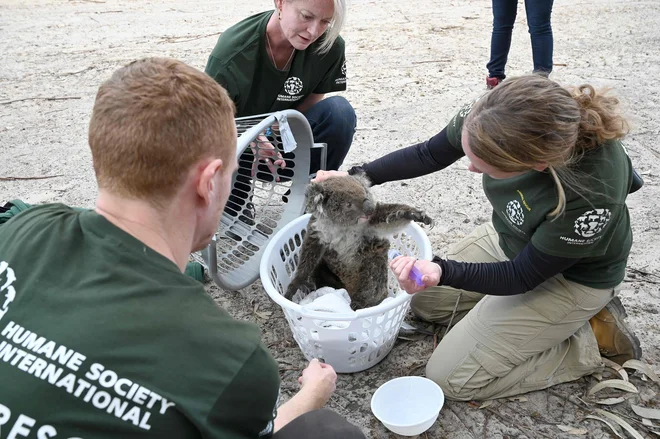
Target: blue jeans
(333, 122)
(538, 20)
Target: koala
(346, 243)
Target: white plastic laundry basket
(350, 342)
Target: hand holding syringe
(415, 275)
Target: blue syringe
(415, 275)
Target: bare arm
(318, 383)
(302, 402)
(309, 101)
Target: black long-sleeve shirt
(526, 271)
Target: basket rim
(400, 298)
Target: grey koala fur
(346, 242)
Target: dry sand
(411, 64)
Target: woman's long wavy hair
(531, 120)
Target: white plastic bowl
(408, 405)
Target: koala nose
(368, 207)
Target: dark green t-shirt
(102, 337)
(239, 62)
(594, 227)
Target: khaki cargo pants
(508, 345)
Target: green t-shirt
(102, 337)
(595, 226)
(239, 62)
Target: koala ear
(361, 176)
(314, 195)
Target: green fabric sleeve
(335, 78)
(11, 209)
(247, 409)
(455, 126)
(195, 270)
(217, 70)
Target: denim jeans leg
(333, 122)
(504, 15)
(540, 30)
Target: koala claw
(411, 215)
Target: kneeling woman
(289, 58)
(536, 287)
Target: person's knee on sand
(430, 307)
(333, 122)
(457, 372)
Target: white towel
(329, 300)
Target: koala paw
(410, 214)
(304, 287)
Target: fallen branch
(36, 98)
(453, 314)
(642, 280)
(196, 37)
(79, 71)
(431, 61)
(642, 272)
(468, 429)
(29, 178)
(415, 367)
(567, 399)
(592, 409)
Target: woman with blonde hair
(534, 290)
(290, 58)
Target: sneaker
(491, 83)
(616, 341)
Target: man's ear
(315, 196)
(206, 184)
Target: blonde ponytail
(600, 120)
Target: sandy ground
(411, 65)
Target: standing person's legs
(319, 424)
(504, 16)
(333, 122)
(538, 19)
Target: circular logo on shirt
(592, 222)
(293, 85)
(515, 212)
(343, 68)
